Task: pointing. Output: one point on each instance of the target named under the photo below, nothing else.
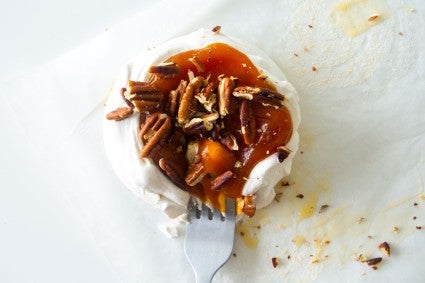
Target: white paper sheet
(362, 143)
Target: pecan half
(225, 89)
(207, 97)
(156, 128)
(120, 113)
(198, 64)
(195, 174)
(165, 70)
(247, 120)
(249, 206)
(201, 125)
(144, 96)
(264, 96)
(173, 171)
(192, 88)
(175, 97)
(219, 181)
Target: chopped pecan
(373, 261)
(156, 128)
(173, 171)
(207, 97)
(165, 70)
(225, 89)
(144, 96)
(264, 96)
(120, 113)
(175, 97)
(198, 64)
(249, 206)
(128, 102)
(247, 120)
(184, 111)
(229, 141)
(195, 174)
(216, 29)
(282, 153)
(385, 248)
(222, 179)
(201, 125)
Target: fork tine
(230, 209)
(205, 212)
(192, 209)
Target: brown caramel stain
(309, 208)
(248, 235)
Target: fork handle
(204, 277)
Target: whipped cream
(142, 177)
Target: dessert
(202, 115)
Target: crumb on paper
(385, 248)
(418, 227)
(396, 229)
(300, 196)
(373, 17)
(310, 26)
(400, 33)
(361, 220)
(323, 208)
(314, 69)
(275, 262)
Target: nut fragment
(282, 153)
(264, 96)
(373, 17)
(249, 206)
(195, 174)
(201, 125)
(275, 262)
(128, 102)
(247, 120)
(174, 98)
(165, 70)
(184, 111)
(374, 261)
(198, 64)
(216, 29)
(120, 113)
(219, 181)
(155, 129)
(172, 171)
(225, 89)
(385, 248)
(229, 141)
(207, 97)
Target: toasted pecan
(225, 89)
(221, 180)
(173, 171)
(192, 88)
(165, 70)
(120, 113)
(249, 206)
(265, 96)
(247, 120)
(156, 128)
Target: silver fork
(209, 239)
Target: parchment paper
(361, 151)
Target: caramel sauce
(275, 124)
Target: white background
(65, 217)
